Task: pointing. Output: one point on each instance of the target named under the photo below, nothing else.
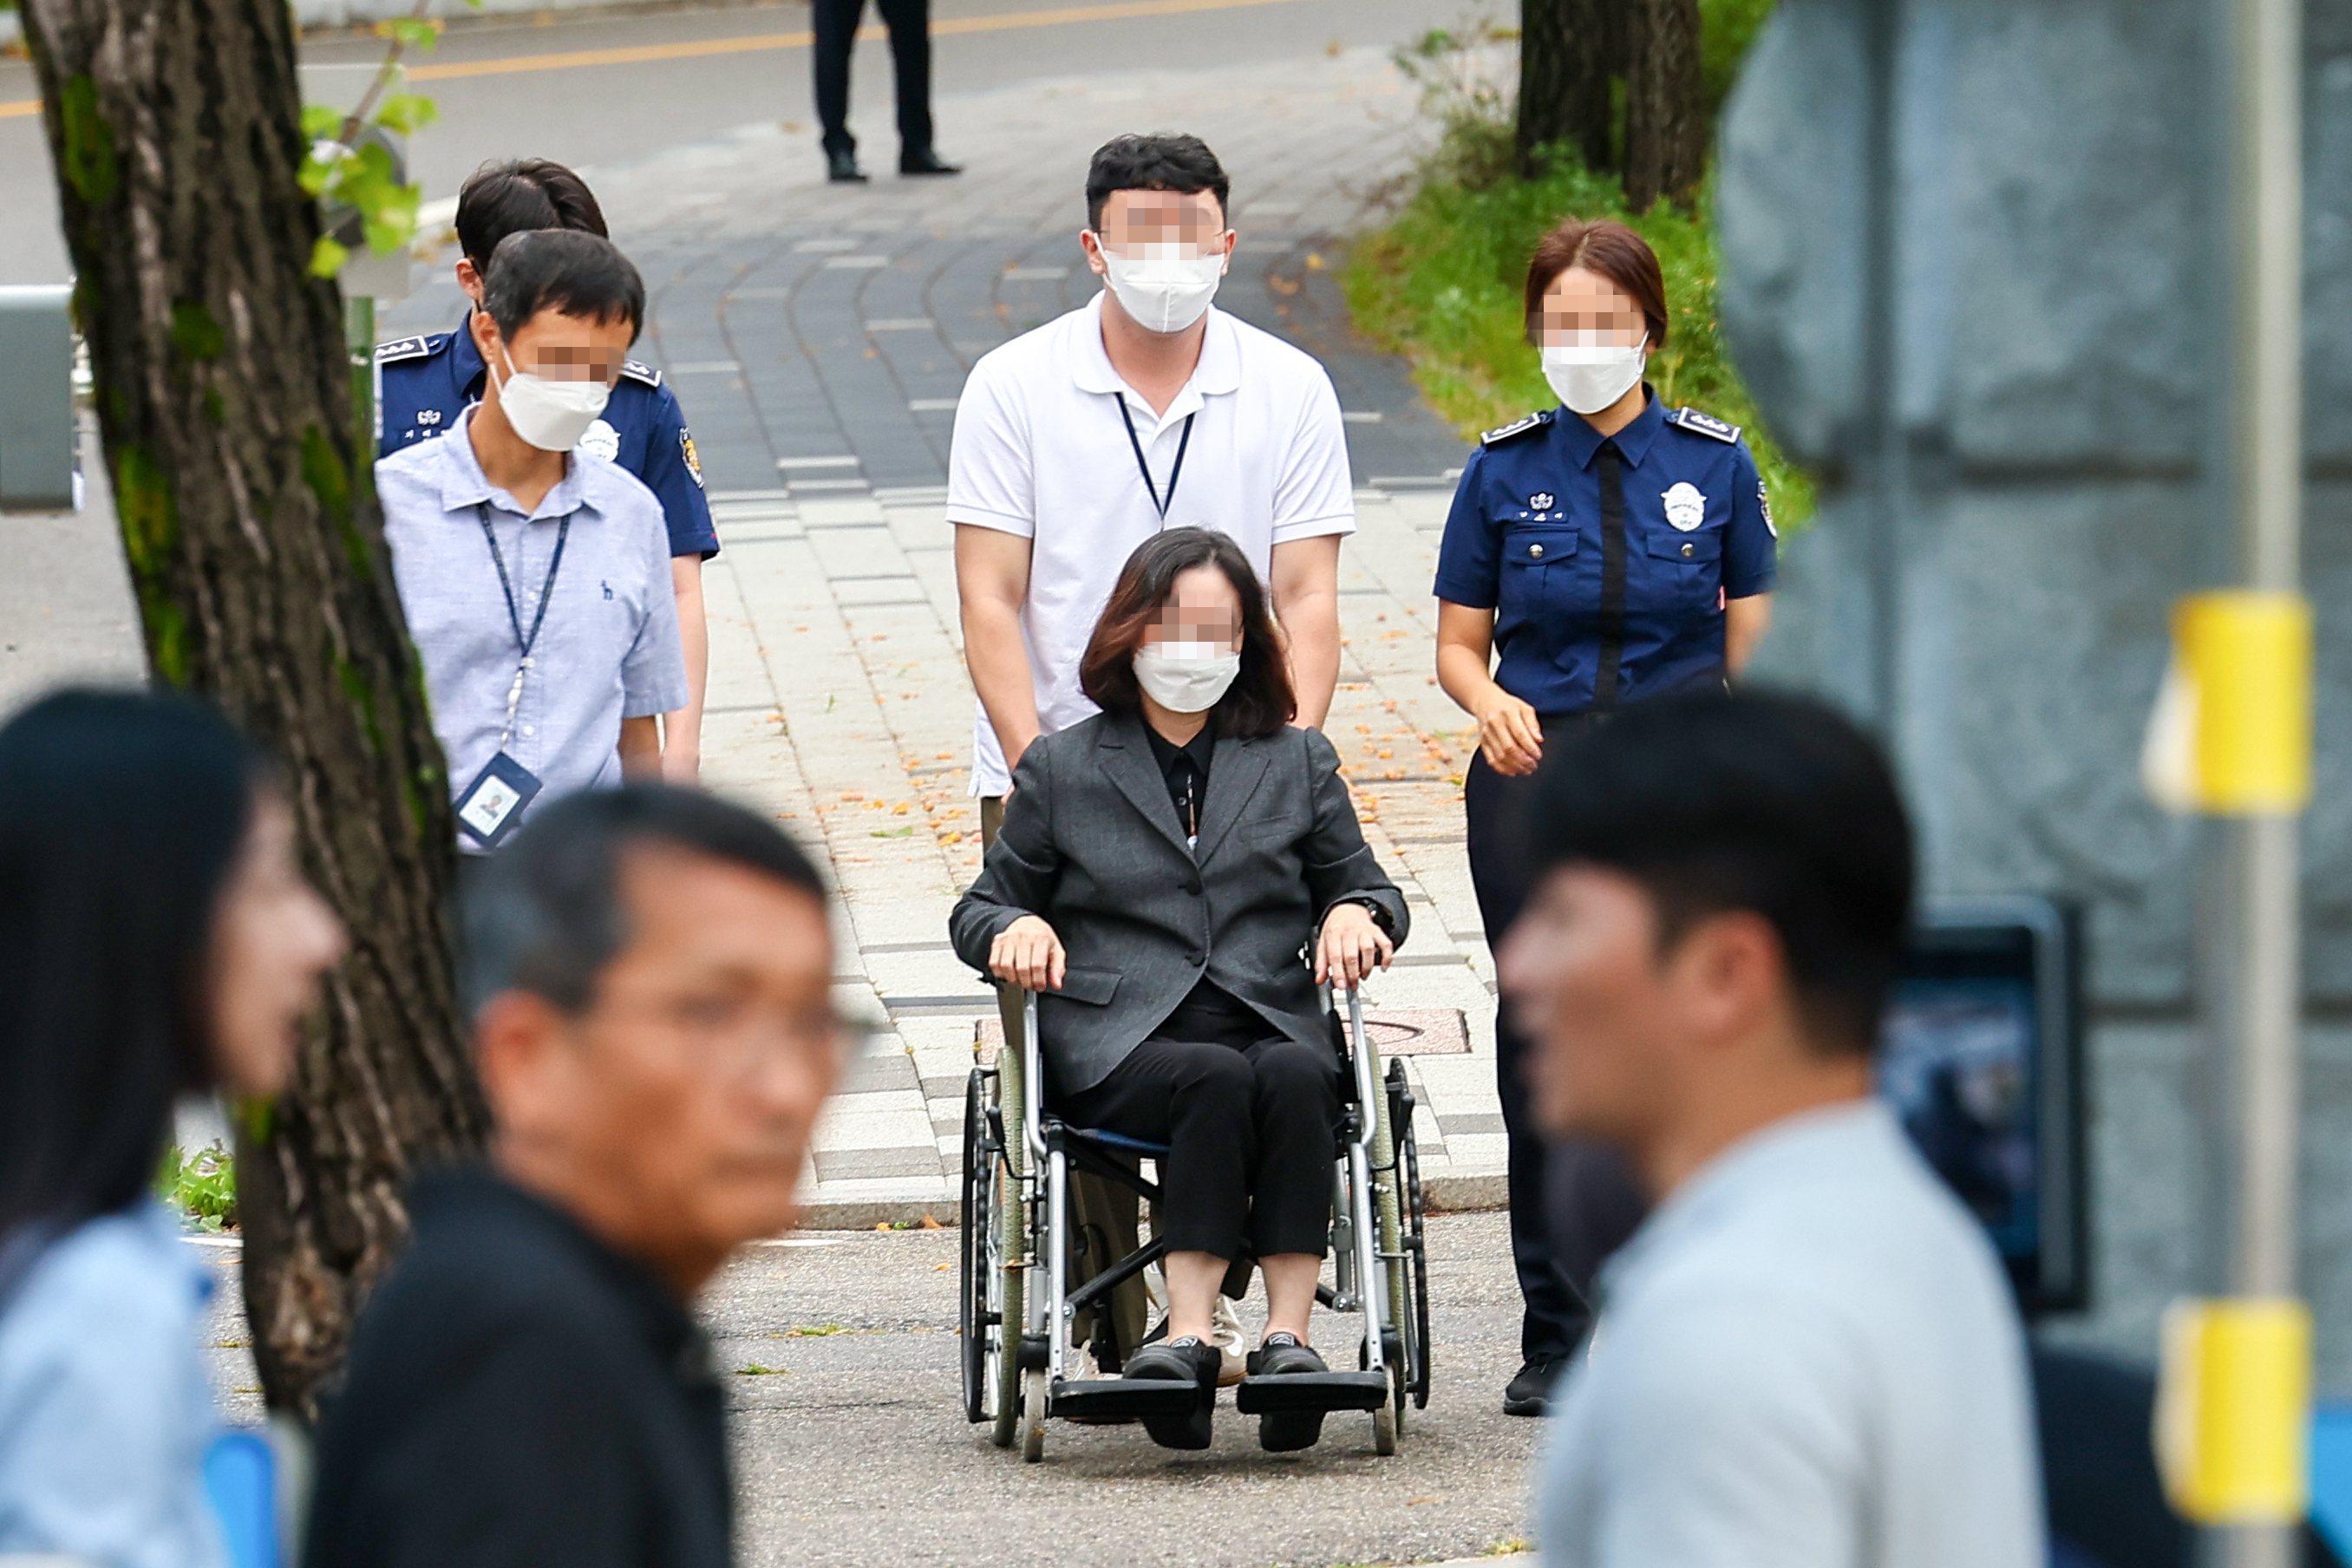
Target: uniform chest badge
(1542, 501)
(1685, 508)
(428, 416)
(603, 441)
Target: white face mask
(1589, 379)
(550, 414)
(1185, 677)
(1164, 291)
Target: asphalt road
(506, 88)
(853, 1449)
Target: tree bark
(223, 395)
(1665, 103)
(1569, 51)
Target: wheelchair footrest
(1121, 1398)
(1311, 1390)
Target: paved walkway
(818, 336)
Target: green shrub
(201, 1185)
(1443, 281)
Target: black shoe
(927, 161)
(1528, 1392)
(1184, 1359)
(1286, 1431)
(842, 168)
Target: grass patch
(201, 1186)
(1441, 282)
(756, 1370)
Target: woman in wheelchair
(1163, 868)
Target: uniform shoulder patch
(402, 347)
(1698, 424)
(1516, 428)
(637, 370)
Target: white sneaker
(1225, 1333)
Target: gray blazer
(1091, 842)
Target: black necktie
(1613, 576)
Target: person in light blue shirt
(156, 939)
(535, 576)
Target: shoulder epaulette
(1698, 424)
(1516, 428)
(637, 370)
(402, 347)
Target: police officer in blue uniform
(424, 383)
(1604, 551)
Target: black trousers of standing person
(1251, 1133)
(910, 22)
(1564, 1223)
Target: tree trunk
(1569, 49)
(223, 395)
(1665, 103)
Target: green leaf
(407, 113)
(906, 832)
(321, 123)
(327, 257)
(88, 153)
(411, 32)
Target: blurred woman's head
(1190, 618)
(156, 939)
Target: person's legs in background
(910, 22)
(834, 23)
(1553, 1320)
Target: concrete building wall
(1974, 270)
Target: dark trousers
(1574, 1204)
(1250, 1136)
(910, 22)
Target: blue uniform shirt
(1582, 598)
(426, 384)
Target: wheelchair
(1020, 1306)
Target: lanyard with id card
(493, 804)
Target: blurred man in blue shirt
(425, 384)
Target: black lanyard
(524, 642)
(1145, 469)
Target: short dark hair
(1772, 804)
(1609, 249)
(1260, 701)
(545, 914)
(516, 195)
(1163, 162)
(122, 815)
(558, 269)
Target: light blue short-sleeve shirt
(1808, 1358)
(105, 1409)
(608, 648)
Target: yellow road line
(753, 42)
(750, 43)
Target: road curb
(1465, 1193)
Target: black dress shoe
(927, 161)
(842, 168)
(1528, 1392)
(1286, 1431)
(1184, 1359)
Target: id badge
(493, 803)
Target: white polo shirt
(1040, 451)
(1808, 1358)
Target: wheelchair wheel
(1033, 1417)
(1413, 1309)
(1393, 1125)
(981, 1284)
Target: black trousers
(1251, 1134)
(1574, 1204)
(910, 22)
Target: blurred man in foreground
(649, 974)
(1807, 1355)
